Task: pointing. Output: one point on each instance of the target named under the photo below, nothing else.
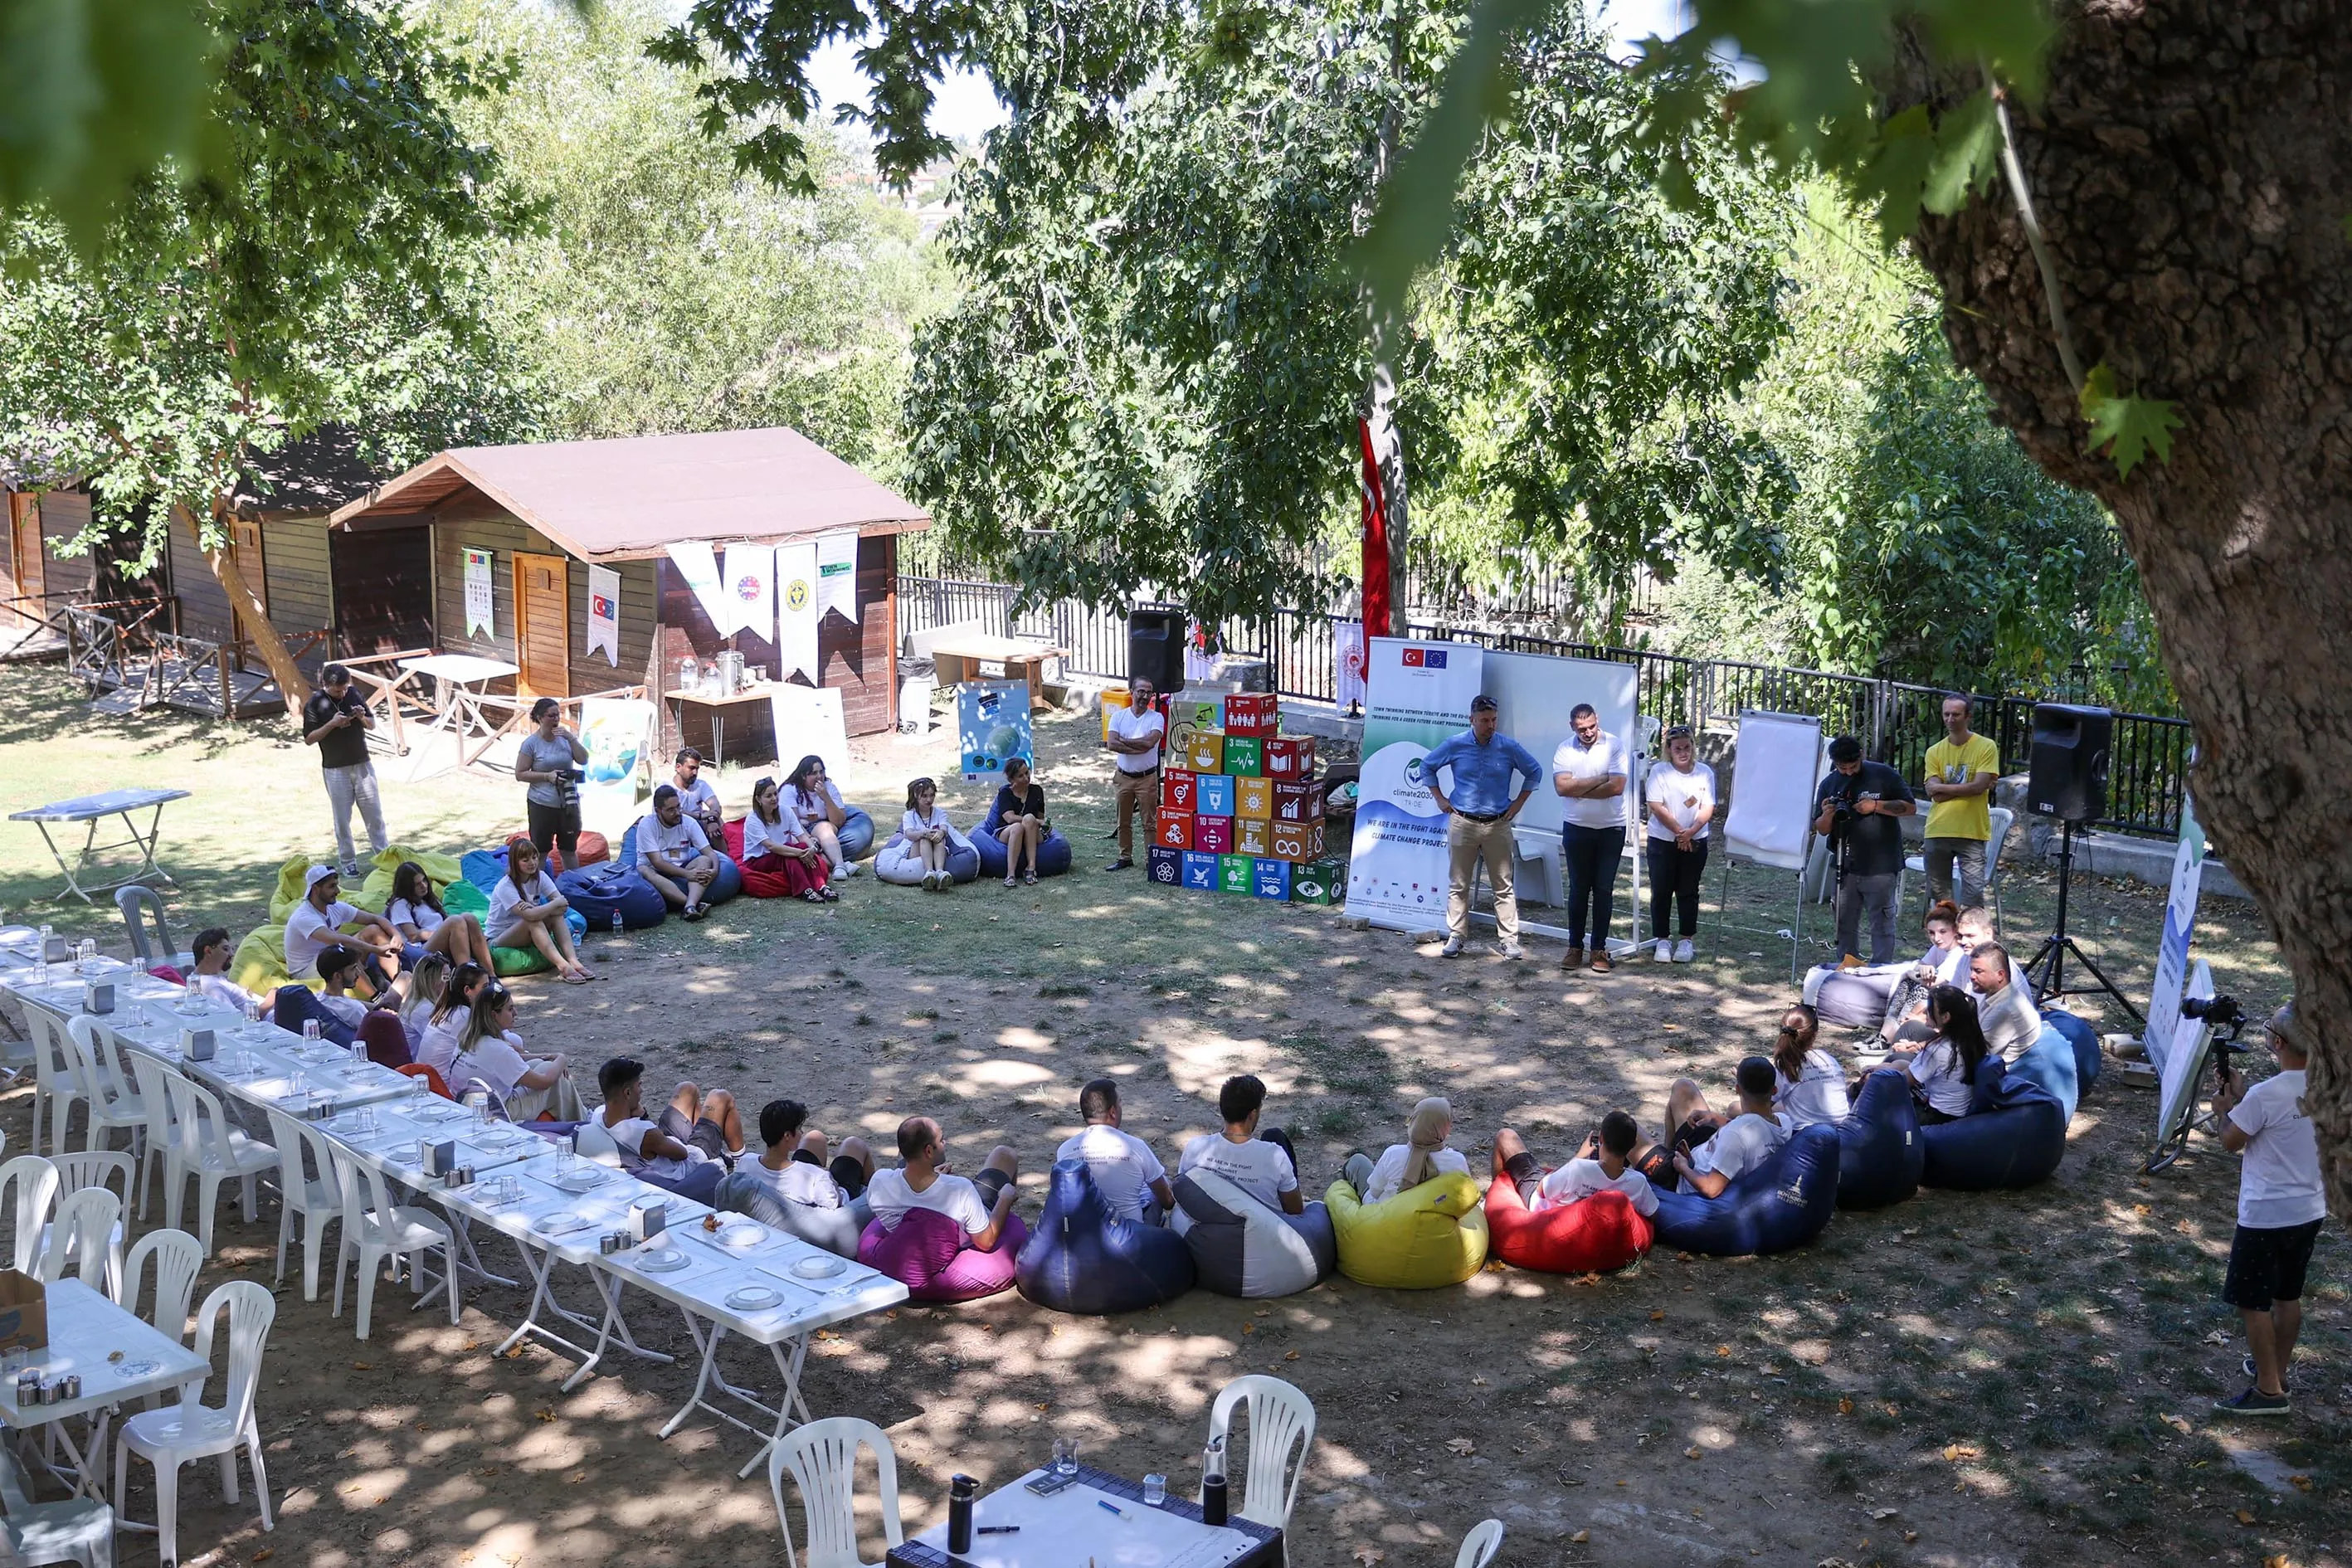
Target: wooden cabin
(34, 578)
(545, 512)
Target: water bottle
(616, 922)
(962, 1491)
(1212, 1482)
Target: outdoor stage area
(1961, 1379)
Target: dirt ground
(1961, 1379)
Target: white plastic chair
(822, 1457)
(57, 1086)
(134, 901)
(36, 1183)
(190, 1429)
(162, 1141)
(2003, 819)
(377, 1229)
(94, 1168)
(178, 1257)
(1478, 1547)
(94, 1071)
(1280, 1417)
(83, 1240)
(207, 1148)
(37, 1532)
(317, 1200)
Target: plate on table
(580, 1180)
(743, 1234)
(754, 1298)
(663, 1260)
(823, 1267)
(407, 1156)
(561, 1224)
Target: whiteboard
(1538, 692)
(1775, 774)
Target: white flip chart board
(1778, 767)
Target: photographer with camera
(550, 760)
(2280, 1206)
(1858, 804)
(336, 719)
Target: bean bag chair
(1780, 1206)
(431, 1079)
(375, 892)
(901, 867)
(835, 1230)
(483, 868)
(298, 1004)
(929, 1254)
(462, 898)
(2085, 1041)
(2012, 1137)
(288, 891)
(594, 850)
(1424, 1237)
(759, 881)
(259, 963)
(1242, 1247)
(1082, 1257)
(1593, 1236)
(729, 884)
(1857, 998)
(2050, 1062)
(1052, 856)
(1879, 1151)
(387, 1041)
(595, 893)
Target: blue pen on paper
(1101, 1502)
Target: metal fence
(1896, 721)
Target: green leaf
(2129, 426)
(1967, 143)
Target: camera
(2222, 1012)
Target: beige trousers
(1134, 793)
(1465, 842)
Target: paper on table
(1057, 1530)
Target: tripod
(2047, 969)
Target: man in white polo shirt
(980, 1203)
(1589, 772)
(2281, 1206)
(1125, 1169)
(1136, 731)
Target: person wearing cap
(1706, 1150)
(696, 795)
(336, 719)
(1480, 809)
(1589, 772)
(319, 920)
(2281, 1205)
(1679, 795)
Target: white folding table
(90, 1335)
(457, 680)
(92, 809)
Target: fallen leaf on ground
(2245, 1516)
(362, 1366)
(471, 1345)
(547, 1414)
(1581, 1537)
(265, 1554)
(2301, 1483)
(1658, 1317)
(1958, 1451)
(1723, 1349)
(1694, 1452)
(2178, 1424)
(1293, 1356)
(1845, 1406)
(1878, 1514)
(1249, 1328)
(1368, 1555)
(1910, 1537)
(1463, 1445)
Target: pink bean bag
(930, 1255)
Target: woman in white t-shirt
(415, 913)
(1943, 1071)
(436, 1041)
(776, 845)
(427, 984)
(1422, 1154)
(1679, 801)
(212, 952)
(1808, 1085)
(917, 853)
(815, 802)
(526, 910)
(1943, 963)
(491, 1054)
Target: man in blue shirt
(1479, 815)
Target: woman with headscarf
(1404, 1165)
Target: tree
(314, 268)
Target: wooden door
(24, 558)
(245, 554)
(542, 602)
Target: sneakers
(1121, 864)
(1683, 951)
(1599, 961)
(1572, 959)
(1663, 952)
(1510, 950)
(1452, 948)
(2253, 1402)
(930, 881)
(851, 869)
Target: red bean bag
(594, 849)
(930, 1255)
(1591, 1235)
(769, 876)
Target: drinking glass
(1065, 1456)
(564, 1158)
(1155, 1491)
(309, 1031)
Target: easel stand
(2047, 969)
(1796, 912)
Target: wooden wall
(473, 523)
(295, 579)
(64, 514)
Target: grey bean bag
(1242, 1247)
(835, 1230)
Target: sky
(966, 108)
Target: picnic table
(93, 809)
(1057, 1530)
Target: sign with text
(2172, 947)
(480, 595)
(1416, 694)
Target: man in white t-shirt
(674, 855)
(212, 951)
(1125, 1169)
(799, 1167)
(1133, 738)
(1262, 1164)
(1600, 1167)
(317, 922)
(695, 793)
(2281, 1205)
(1707, 1151)
(980, 1204)
(1589, 772)
(685, 1150)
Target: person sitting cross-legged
(1262, 1164)
(1706, 1150)
(1126, 1171)
(1423, 1155)
(529, 910)
(980, 1203)
(1601, 1165)
(674, 854)
(685, 1150)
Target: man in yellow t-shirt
(1962, 768)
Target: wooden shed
(543, 514)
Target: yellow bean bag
(259, 963)
(1428, 1236)
(289, 889)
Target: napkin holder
(439, 1159)
(23, 1312)
(647, 1220)
(198, 1045)
(98, 997)
(57, 950)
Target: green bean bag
(374, 893)
(512, 961)
(289, 888)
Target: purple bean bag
(932, 1257)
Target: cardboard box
(1271, 880)
(1290, 757)
(23, 1312)
(1214, 795)
(1179, 790)
(1243, 757)
(1253, 836)
(1200, 872)
(1204, 752)
(1165, 868)
(1257, 713)
(1317, 882)
(1175, 831)
(1187, 718)
(1236, 874)
(1296, 801)
(1213, 835)
(1297, 841)
(1253, 797)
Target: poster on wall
(604, 614)
(993, 727)
(2172, 947)
(480, 595)
(1539, 694)
(618, 732)
(1417, 693)
(796, 616)
(836, 575)
(750, 573)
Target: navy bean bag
(835, 1230)
(1082, 1257)
(295, 1003)
(1242, 1247)
(1782, 1204)
(1052, 856)
(2012, 1137)
(1880, 1154)
(596, 891)
(2085, 1041)
(729, 884)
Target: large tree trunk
(254, 619)
(2193, 167)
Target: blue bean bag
(1782, 1204)
(1052, 856)
(856, 833)
(1880, 1155)
(2050, 1062)
(2013, 1136)
(729, 884)
(1082, 1257)
(297, 1004)
(596, 891)
(2085, 1041)
(483, 868)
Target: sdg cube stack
(1241, 810)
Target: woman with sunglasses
(1680, 801)
(490, 1053)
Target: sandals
(810, 896)
(1012, 881)
(827, 894)
(692, 912)
(1028, 879)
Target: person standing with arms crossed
(1589, 772)
(336, 719)
(1962, 768)
(1133, 737)
(2281, 1206)
(1478, 819)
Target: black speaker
(2068, 775)
(1155, 648)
